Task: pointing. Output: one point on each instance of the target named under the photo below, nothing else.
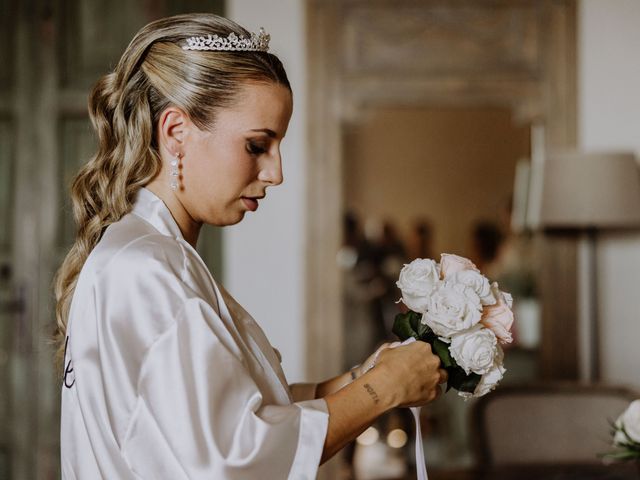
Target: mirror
(420, 181)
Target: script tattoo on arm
(371, 392)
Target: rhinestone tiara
(258, 42)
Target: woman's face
(227, 169)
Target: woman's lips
(251, 203)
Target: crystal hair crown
(258, 42)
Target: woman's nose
(271, 171)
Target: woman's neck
(188, 226)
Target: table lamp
(587, 193)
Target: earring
(175, 172)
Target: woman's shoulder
(132, 252)
(136, 283)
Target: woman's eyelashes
(255, 148)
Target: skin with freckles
(238, 157)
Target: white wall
(264, 254)
(609, 119)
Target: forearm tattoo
(371, 392)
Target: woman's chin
(233, 220)
(225, 221)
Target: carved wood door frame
(514, 53)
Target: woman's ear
(171, 129)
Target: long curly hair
(154, 72)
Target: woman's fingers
(438, 391)
(413, 371)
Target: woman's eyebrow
(269, 132)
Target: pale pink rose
(500, 296)
(450, 264)
(498, 318)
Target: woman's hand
(404, 376)
(407, 375)
(365, 366)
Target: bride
(166, 376)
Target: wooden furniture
(618, 471)
(561, 427)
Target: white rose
(500, 296)
(475, 350)
(417, 280)
(619, 438)
(478, 282)
(452, 308)
(487, 382)
(630, 421)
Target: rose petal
(499, 319)
(450, 264)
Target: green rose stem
(410, 324)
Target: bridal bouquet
(464, 317)
(626, 435)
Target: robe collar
(152, 209)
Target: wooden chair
(554, 424)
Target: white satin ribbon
(421, 463)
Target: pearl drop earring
(175, 172)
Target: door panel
(77, 145)
(51, 52)
(6, 295)
(7, 38)
(93, 34)
(6, 187)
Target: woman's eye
(255, 149)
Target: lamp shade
(590, 191)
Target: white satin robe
(167, 377)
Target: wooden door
(51, 52)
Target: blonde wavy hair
(153, 73)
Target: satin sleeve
(200, 415)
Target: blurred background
(419, 128)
